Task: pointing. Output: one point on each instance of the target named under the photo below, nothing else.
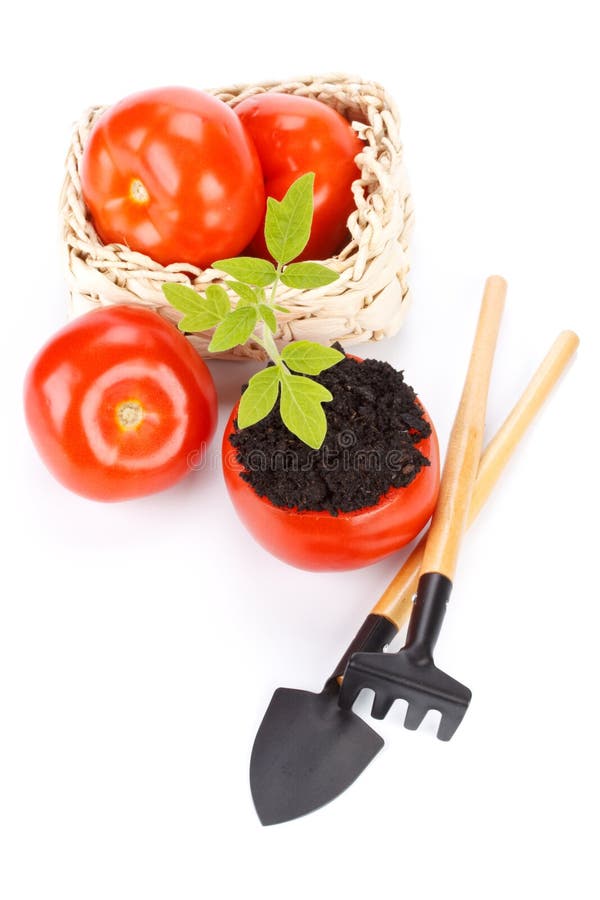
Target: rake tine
(448, 726)
(414, 716)
(381, 706)
(352, 694)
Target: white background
(140, 643)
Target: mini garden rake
(411, 674)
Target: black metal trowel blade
(306, 752)
(307, 749)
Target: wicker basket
(366, 303)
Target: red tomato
(172, 173)
(119, 405)
(319, 541)
(294, 135)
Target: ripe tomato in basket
(294, 135)
(172, 173)
(119, 404)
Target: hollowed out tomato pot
(320, 541)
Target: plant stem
(266, 341)
(276, 283)
(270, 348)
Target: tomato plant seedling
(255, 281)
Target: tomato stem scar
(138, 192)
(129, 415)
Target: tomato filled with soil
(367, 492)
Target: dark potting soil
(373, 425)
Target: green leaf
(268, 316)
(259, 397)
(280, 308)
(235, 329)
(217, 301)
(307, 275)
(244, 291)
(182, 297)
(301, 409)
(259, 272)
(309, 358)
(196, 322)
(200, 313)
(288, 221)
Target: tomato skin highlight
(118, 403)
(320, 542)
(172, 173)
(294, 135)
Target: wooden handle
(396, 601)
(464, 447)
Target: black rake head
(410, 676)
